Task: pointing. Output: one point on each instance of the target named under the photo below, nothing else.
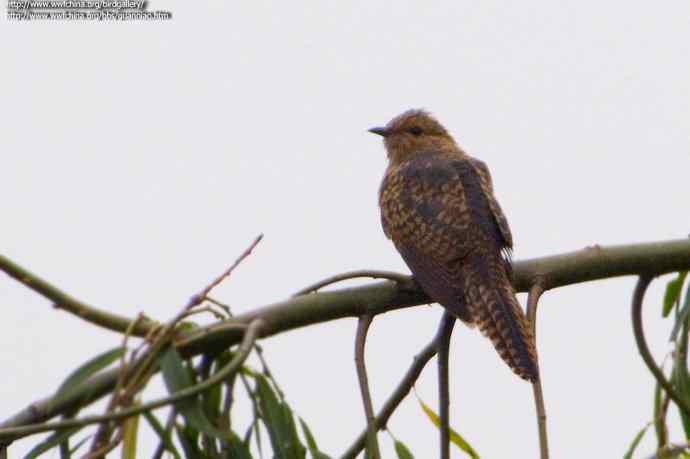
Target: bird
(438, 207)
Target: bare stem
(62, 300)
(360, 341)
(532, 303)
(372, 274)
(446, 330)
(403, 388)
(638, 295)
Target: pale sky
(139, 159)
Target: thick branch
(598, 262)
(554, 271)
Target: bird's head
(414, 132)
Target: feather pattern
(438, 208)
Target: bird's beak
(382, 131)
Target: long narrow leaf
(680, 376)
(682, 315)
(402, 451)
(188, 439)
(311, 442)
(279, 423)
(176, 378)
(455, 437)
(673, 292)
(162, 434)
(50, 443)
(635, 442)
(237, 449)
(81, 374)
(298, 447)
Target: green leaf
(294, 436)
(455, 437)
(81, 374)
(212, 399)
(279, 422)
(162, 434)
(237, 449)
(682, 316)
(129, 437)
(635, 442)
(177, 378)
(673, 292)
(50, 443)
(311, 442)
(659, 416)
(402, 450)
(188, 438)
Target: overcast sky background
(139, 159)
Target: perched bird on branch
(438, 207)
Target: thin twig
(446, 328)
(240, 355)
(403, 388)
(201, 296)
(104, 431)
(638, 295)
(360, 341)
(140, 374)
(62, 300)
(220, 304)
(535, 293)
(400, 279)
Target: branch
(445, 332)
(240, 356)
(372, 274)
(638, 295)
(532, 303)
(360, 340)
(404, 387)
(62, 300)
(377, 298)
(599, 262)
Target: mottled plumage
(438, 208)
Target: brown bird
(438, 208)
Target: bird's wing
(435, 210)
(498, 216)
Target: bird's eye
(416, 131)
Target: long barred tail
(491, 298)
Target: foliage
(677, 308)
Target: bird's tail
(494, 308)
